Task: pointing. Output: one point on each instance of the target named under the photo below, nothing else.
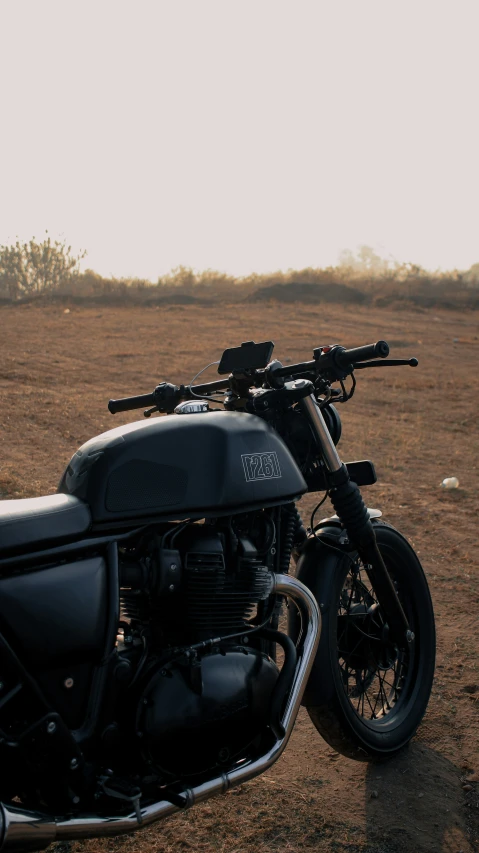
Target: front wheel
(367, 694)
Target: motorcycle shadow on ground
(314, 799)
(417, 802)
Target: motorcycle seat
(36, 521)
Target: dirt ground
(57, 372)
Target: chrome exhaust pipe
(21, 830)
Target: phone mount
(249, 356)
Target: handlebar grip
(127, 403)
(348, 356)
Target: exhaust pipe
(22, 830)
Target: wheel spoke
(373, 716)
(344, 632)
(381, 690)
(351, 591)
(356, 646)
(377, 695)
(391, 686)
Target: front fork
(351, 510)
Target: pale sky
(241, 135)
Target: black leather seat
(37, 521)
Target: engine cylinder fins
(221, 601)
(133, 606)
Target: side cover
(56, 620)
(183, 465)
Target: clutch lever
(387, 362)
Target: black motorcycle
(142, 606)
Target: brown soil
(57, 372)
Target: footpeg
(122, 790)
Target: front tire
(367, 695)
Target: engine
(203, 682)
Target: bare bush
(33, 268)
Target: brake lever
(387, 362)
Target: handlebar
(127, 403)
(335, 362)
(350, 356)
(165, 396)
(330, 362)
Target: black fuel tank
(211, 463)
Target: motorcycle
(143, 605)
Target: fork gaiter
(351, 510)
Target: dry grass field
(57, 372)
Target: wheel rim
(375, 674)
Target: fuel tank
(211, 463)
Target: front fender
(317, 567)
(320, 566)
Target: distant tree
(179, 277)
(364, 262)
(471, 277)
(33, 267)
